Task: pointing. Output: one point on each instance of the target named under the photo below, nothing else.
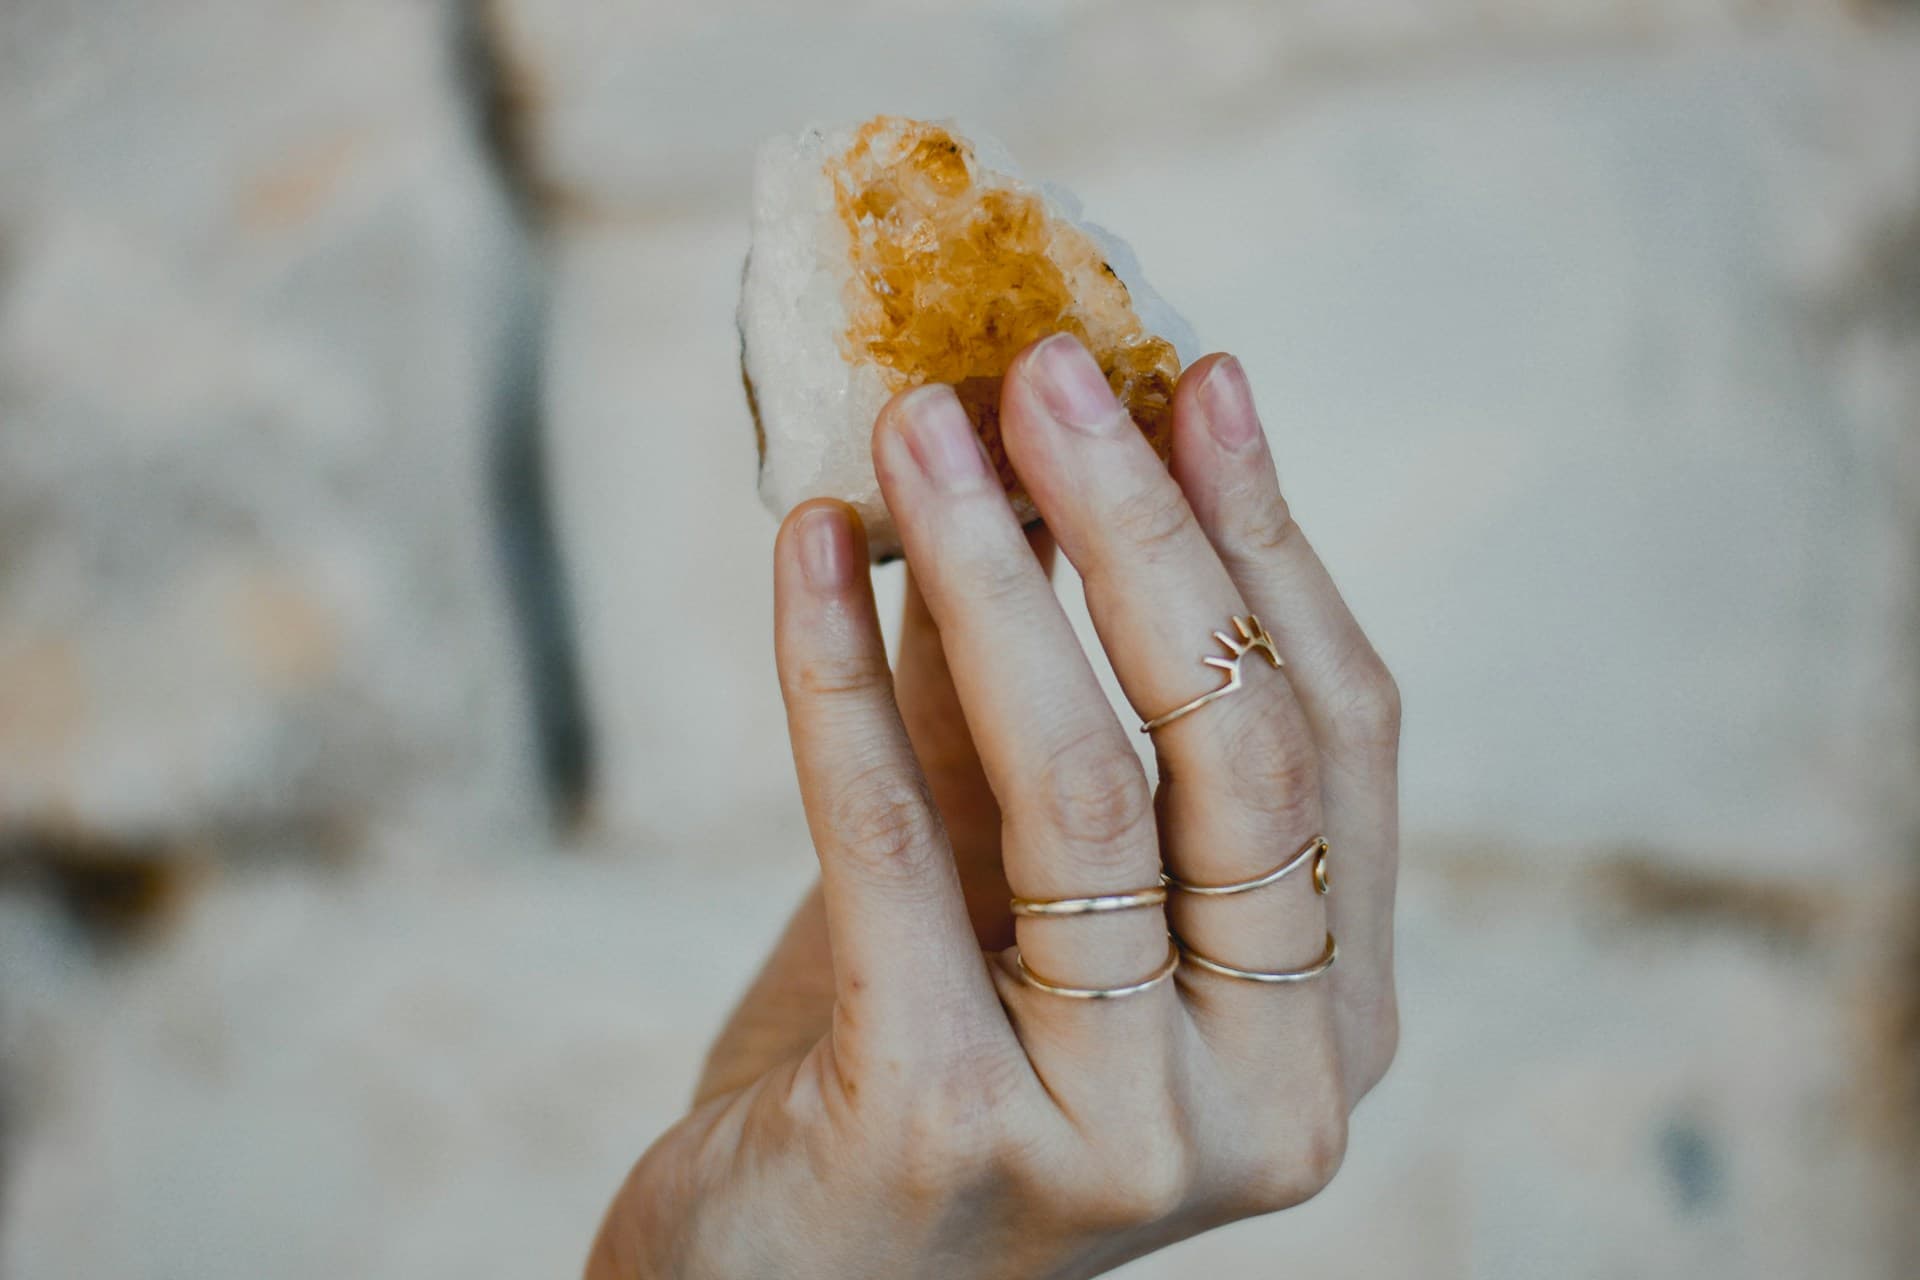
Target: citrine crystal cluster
(954, 276)
(900, 252)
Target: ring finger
(1223, 464)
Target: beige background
(1589, 336)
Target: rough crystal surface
(956, 271)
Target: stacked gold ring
(1153, 979)
(1314, 850)
(1313, 970)
(1152, 896)
(1095, 904)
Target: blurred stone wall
(1587, 332)
(256, 285)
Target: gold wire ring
(1313, 970)
(1158, 976)
(1315, 848)
(1151, 896)
(1252, 636)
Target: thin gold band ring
(1152, 896)
(1275, 976)
(1158, 976)
(1315, 848)
(1253, 636)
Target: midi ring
(1313, 970)
(1252, 636)
(1152, 896)
(1315, 848)
(1157, 977)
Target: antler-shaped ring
(1252, 636)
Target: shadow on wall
(521, 490)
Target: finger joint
(883, 820)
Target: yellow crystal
(954, 277)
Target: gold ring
(1313, 970)
(1152, 896)
(1158, 976)
(1315, 848)
(1252, 636)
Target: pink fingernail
(826, 548)
(941, 438)
(1072, 387)
(1227, 400)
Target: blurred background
(393, 786)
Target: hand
(953, 1120)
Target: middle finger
(1077, 809)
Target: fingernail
(826, 548)
(1072, 387)
(941, 439)
(1227, 400)
(1227, 403)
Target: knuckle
(998, 581)
(947, 1134)
(1297, 1166)
(1321, 1150)
(1266, 530)
(1093, 793)
(884, 820)
(1272, 770)
(1373, 708)
(837, 675)
(1295, 1140)
(1137, 1188)
(1153, 517)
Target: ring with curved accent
(1315, 848)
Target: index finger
(904, 956)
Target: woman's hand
(954, 1119)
